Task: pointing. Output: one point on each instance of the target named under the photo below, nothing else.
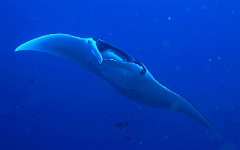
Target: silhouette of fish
(121, 125)
(128, 138)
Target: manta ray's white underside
(129, 76)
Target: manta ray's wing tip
(25, 46)
(218, 135)
(19, 48)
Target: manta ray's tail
(178, 103)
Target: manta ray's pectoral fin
(186, 107)
(81, 51)
(169, 99)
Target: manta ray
(125, 73)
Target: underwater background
(190, 46)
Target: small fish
(128, 138)
(121, 125)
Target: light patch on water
(204, 7)
(216, 107)
(177, 68)
(166, 43)
(188, 10)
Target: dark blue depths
(191, 47)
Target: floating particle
(217, 107)
(166, 43)
(177, 68)
(204, 7)
(188, 10)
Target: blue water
(191, 47)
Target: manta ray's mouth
(110, 52)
